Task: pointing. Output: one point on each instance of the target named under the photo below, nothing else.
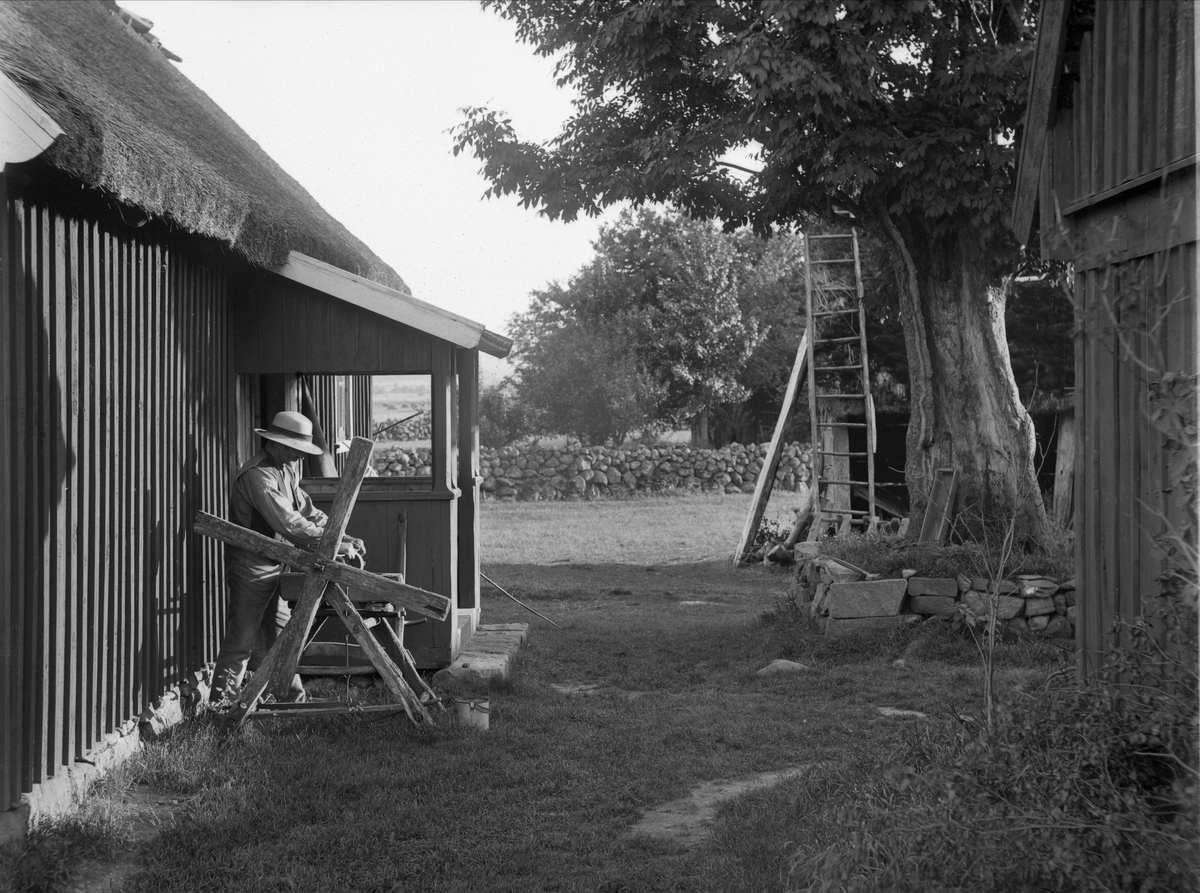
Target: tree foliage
(895, 108)
(670, 319)
(903, 112)
(576, 378)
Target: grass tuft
(54, 850)
(890, 555)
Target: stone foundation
(63, 793)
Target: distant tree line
(670, 321)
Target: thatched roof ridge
(138, 129)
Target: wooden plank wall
(118, 379)
(1123, 175)
(1132, 110)
(282, 326)
(1140, 323)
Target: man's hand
(352, 547)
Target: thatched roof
(136, 128)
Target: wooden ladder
(837, 341)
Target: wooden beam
(1064, 470)
(402, 595)
(766, 474)
(940, 510)
(392, 304)
(469, 480)
(836, 440)
(1039, 112)
(391, 674)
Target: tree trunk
(965, 409)
(700, 435)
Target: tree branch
(738, 167)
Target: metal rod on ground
(518, 601)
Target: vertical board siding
(1132, 107)
(118, 381)
(1131, 118)
(286, 327)
(1125, 482)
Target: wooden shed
(165, 288)
(1108, 181)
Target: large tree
(902, 112)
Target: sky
(354, 99)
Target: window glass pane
(400, 412)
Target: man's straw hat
(291, 429)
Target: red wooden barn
(165, 287)
(1108, 181)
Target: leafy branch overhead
(904, 106)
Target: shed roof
(135, 127)
(397, 306)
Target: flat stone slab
(849, 626)
(896, 711)
(1007, 606)
(577, 688)
(1038, 605)
(939, 605)
(685, 820)
(594, 689)
(488, 655)
(870, 598)
(776, 667)
(933, 586)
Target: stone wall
(577, 472)
(847, 603)
(420, 428)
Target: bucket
(472, 712)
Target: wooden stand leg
(293, 637)
(296, 630)
(403, 658)
(388, 671)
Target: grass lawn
(669, 635)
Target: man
(267, 499)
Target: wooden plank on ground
(1064, 470)
(941, 506)
(882, 501)
(766, 474)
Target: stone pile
(578, 472)
(396, 461)
(849, 602)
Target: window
(401, 421)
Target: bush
(503, 419)
(1079, 788)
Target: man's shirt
(267, 499)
